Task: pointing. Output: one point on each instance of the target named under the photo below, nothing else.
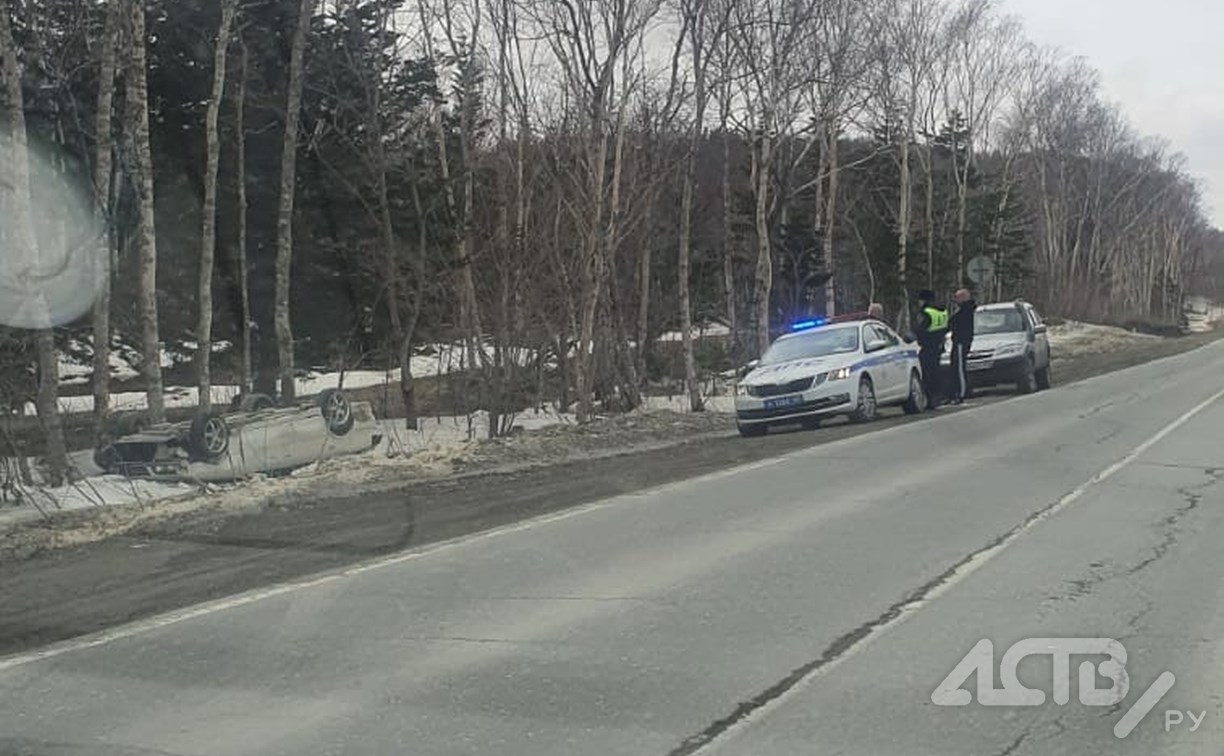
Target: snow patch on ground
(1075, 339)
(705, 331)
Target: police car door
(892, 378)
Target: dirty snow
(1074, 339)
(92, 492)
(704, 331)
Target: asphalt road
(807, 603)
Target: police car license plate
(783, 402)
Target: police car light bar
(805, 325)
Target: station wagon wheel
(209, 438)
(1043, 378)
(337, 411)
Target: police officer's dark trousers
(928, 359)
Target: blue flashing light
(805, 325)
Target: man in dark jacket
(961, 324)
(930, 330)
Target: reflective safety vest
(938, 319)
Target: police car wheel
(917, 401)
(867, 409)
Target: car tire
(752, 431)
(916, 404)
(255, 402)
(1043, 378)
(209, 436)
(867, 409)
(106, 457)
(1027, 383)
(337, 412)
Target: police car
(822, 370)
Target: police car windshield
(998, 321)
(819, 343)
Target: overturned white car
(254, 436)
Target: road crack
(1170, 529)
(1014, 745)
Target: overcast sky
(1163, 62)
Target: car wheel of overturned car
(867, 409)
(337, 411)
(916, 403)
(1043, 378)
(209, 436)
(752, 431)
(105, 456)
(255, 402)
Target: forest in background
(553, 184)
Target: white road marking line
(967, 569)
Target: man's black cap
(926, 295)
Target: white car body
(809, 388)
(262, 441)
(1019, 355)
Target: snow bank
(680, 403)
(1075, 339)
(101, 491)
(706, 331)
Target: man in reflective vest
(930, 330)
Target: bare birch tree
(770, 38)
(288, 193)
(590, 42)
(240, 179)
(986, 56)
(703, 32)
(27, 249)
(102, 185)
(136, 93)
(208, 234)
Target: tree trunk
(244, 273)
(26, 241)
(208, 236)
(137, 94)
(929, 170)
(48, 407)
(284, 218)
(591, 278)
(728, 247)
(645, 263)
(469, 315)
(903, 233)
(686, 236)
(763, 157)
(103, 166)
(830, 218)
